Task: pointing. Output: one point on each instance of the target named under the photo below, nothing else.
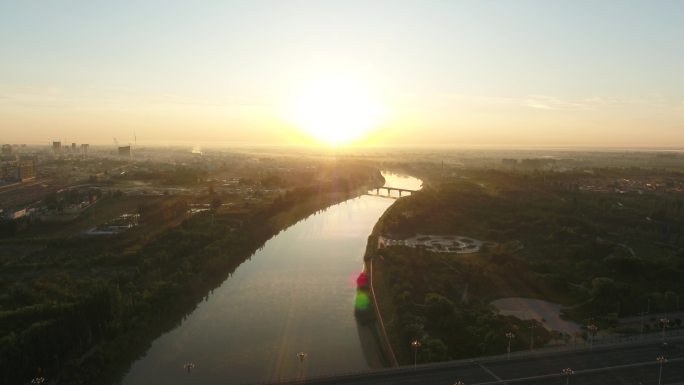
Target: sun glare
(335, 110)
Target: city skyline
(532, 74)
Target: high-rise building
(56, 147)
(27, 168)
(125, 151)
(84, 149)
(6, 149)
(16, 168)
(73, 148)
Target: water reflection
(294, 295)
(402, 181)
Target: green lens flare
(361, 301)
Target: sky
(451, 73)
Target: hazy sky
(570, 73)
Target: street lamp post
(648, 309)
(642, 322)
(574, 338)
(301, 356)
(38, 380)
(531, 327)
(189, 366)
(592, 331)
(567, 372)
(510, 336)
(459, 383)
(415, 344)
(661, 360)
(664, 322)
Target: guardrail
(383, 333)
(600, 342)
(617, 339)
(608, 343)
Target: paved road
(624, 364)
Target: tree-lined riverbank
(112, 304)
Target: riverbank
(295, 294)
(370, 323)
(268, 227)
(113, 320)
(383, 308)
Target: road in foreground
(624, 364)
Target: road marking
(486, 369)
(585, 371)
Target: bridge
(390, 189)
(634, 362)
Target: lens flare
(361, 301)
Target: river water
(296, 294)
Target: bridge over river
(632, 362)
(389, 190)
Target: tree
(435, 349)
(437, 306)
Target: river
(296, 294)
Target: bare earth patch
(548, 313)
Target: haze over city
(462, 73)
(341, 192)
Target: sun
(334, 110)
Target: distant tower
(84, 149)
(6, 149)
(73, 148)
(56, 147)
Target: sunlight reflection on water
(293, 295)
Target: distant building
(27, 168)
(9, 170)
(84, 149)
(125, 151)
(56, 147)
(537, 163)
(73, 148)
(6, 149)
(16, 169)
(509, 162)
